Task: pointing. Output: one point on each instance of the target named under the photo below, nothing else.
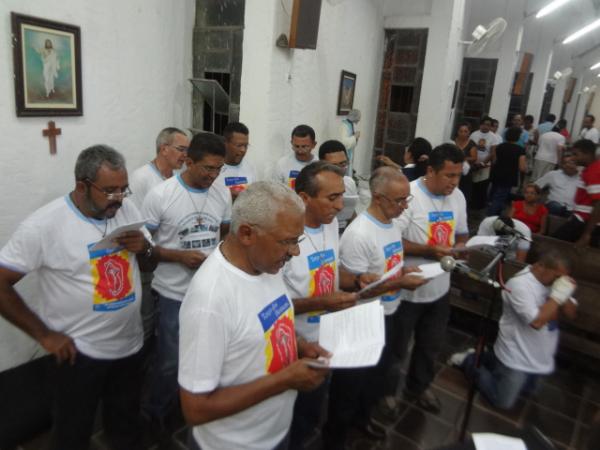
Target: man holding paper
(372, 243)
(89, 300)
(314, 277)
(239, 368)
(434, 222)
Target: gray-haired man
(238, 365)
(89, 298)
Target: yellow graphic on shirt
(112, 278)
(440, 229)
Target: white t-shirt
(369, 245)
(562, 187)
(490, 139)
(548, 144)
(92, 296)
(234, 329)
(287, 169)
(237, 178)
(486, 228)
(520, 346)
(432, 220)
(142, 180)
(590, 133)
(313, 273)
(350, 202)
(172, 210)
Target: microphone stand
(481, 339)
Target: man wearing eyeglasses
(289, 166)
(187, 214)
(334, 152)
(372, 243)
(89, 300)
(433, 224)
(237, 172)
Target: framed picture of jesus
(47, 67)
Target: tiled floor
(562, 409)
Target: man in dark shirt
(508, 159)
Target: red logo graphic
(113, 282)
(324, 278)
(440, 234)
(283, 343)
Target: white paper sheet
(492, 441)
(482, 241)
(429, 271)
(386, 276)
(355, 336)
(109, 240)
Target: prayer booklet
(492, 441)
(355, 336)
(108, 241)
(429, 270)
(386, 276)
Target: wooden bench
(581, 335)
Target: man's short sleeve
(202, 347)
(355, 253)
(520, 299)
(23, 253)
(462, 226)
(151, 210)
(545, 180)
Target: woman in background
(416, 156)
(530, 210)
(463, 141)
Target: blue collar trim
(189, 188)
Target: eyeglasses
(211, 170)
(342, 164)
(111, 194)
(179, 148)
(406, 200)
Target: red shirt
(588, 191)
(533, 221)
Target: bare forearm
(14, 309)
(348, 280)
(548, 312)
(412, 248)
(168, 254)
(308, 304)
(224, 402)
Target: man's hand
(364, 279)
(60, 345)
(439, 251)
(412, 282)
(133, 241)
(191, 258)
(311, 350)
(302, 377)
(339, 300)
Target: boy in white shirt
(239, 368)
(187, 215)
(289, 166)
(314, 278)
(237, 173)
(434, 222)
(372, 244)
(528, 335)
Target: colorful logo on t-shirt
(277, 320)
(393, 253)
(112, 277)
(441, 228)
(292, 178)
(321, 268)
(236, 184)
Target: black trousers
(354, 392)
(78, 390)
(428, 323)
(572, 230)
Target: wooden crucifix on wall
(51, 132)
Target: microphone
(450, 264)
(502, 228)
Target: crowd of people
(209, 285)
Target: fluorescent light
(584, 30)
(595, 66)
(550, 7)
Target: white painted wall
(136, 58)
(282, 88)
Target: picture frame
(346, 93)
(47, 67)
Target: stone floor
(562, 409)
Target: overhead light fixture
(595, 66)
(550, 7)
(584, 30)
